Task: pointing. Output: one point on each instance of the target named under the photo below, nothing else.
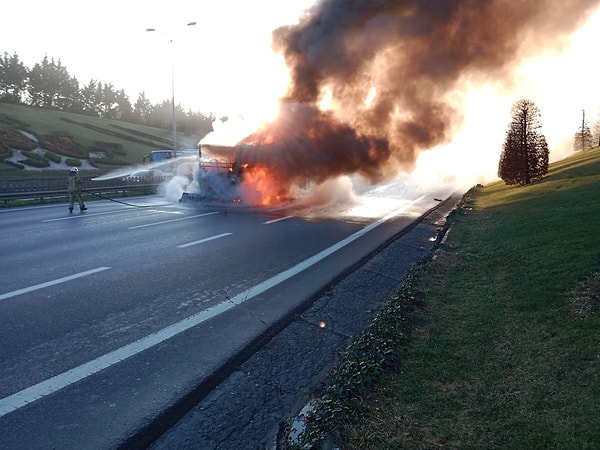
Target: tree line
(48, 84)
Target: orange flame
(260, 186)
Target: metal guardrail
(40, 188)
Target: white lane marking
(166, 212)
(269, 222)
(172, 220)
(51, 283)
(60, 381)
(204, 240)
(79, 216)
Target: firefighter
(74, 187)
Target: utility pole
(174, 119)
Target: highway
(111, 316)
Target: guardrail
(41, 188)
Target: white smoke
(174, 188)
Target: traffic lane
(53, 329)
(30, 219)
(34, 234)
(191, 361)
(57, 252)
(48, 238)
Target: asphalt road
(115, 321)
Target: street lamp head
(150, 29)
(191, 23)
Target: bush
(73, 162)
(14, 164)
(33, 155)
(52, 157)
(34, 162)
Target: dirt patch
(586, 300)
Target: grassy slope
(42, 122)
(509, 353)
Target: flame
(265, 135)
(260, 186)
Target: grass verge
(506, 351)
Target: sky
(222, 64)
(225, 65)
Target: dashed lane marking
(201, 241)
(269, 222)
(51, 283)
(171, 220)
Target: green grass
(506, 352)
(137, 140)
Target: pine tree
(525, 154)
(596, 136)
(583, 138)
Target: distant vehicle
(159, 155)
(165, 155)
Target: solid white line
(58, 382)
(204, 240)
(269, 222)
(172, 220)
(51, 283)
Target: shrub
(33, 155)
(73, 162)
(14, 164)
(52, 157)
(34, 162)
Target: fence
(40, 188)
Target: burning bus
(235, 174)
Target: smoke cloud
(372, 81)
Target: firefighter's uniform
(74, 188)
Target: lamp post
(173, 86)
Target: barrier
(40, 188)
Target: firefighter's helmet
(74, 170)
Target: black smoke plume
(407, 57)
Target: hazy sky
(221, 64)
(225, 64)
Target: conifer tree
(583, 138)
(525, 154)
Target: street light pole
(174, 120)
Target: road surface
(115, 320)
